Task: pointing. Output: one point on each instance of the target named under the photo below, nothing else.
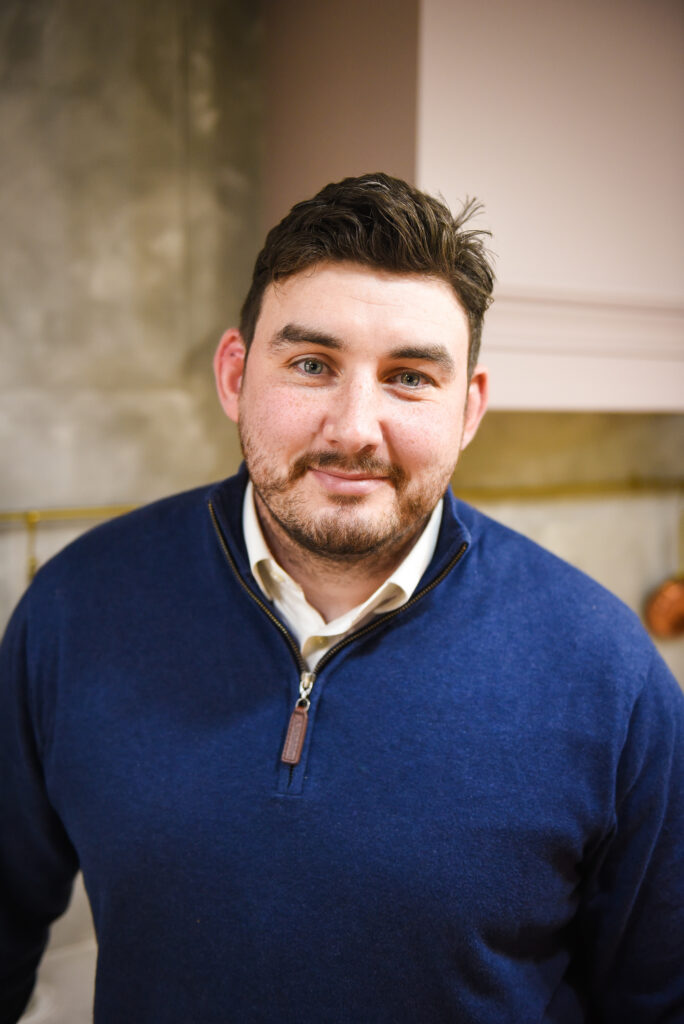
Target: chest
(445, 798)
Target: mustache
(349, 464)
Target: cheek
(428, 442)
(279, 418)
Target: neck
(332, 586)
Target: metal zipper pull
(296, 730)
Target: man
(327, 744)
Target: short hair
(384, 223)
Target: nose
(352, 422)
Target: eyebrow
(293, 334)
(426, 353)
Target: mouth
(337, 481)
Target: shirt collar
(261, 561)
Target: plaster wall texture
(127, 211)
(540, 449)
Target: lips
(359, 474)
(337, 481)
(350, 476)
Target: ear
(229, 363)
(476, 404)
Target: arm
(37, 860)
(632, 931)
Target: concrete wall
(127, 211)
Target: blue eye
(410, 379)
(312, 366)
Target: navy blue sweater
(485, 825)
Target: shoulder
(131, 560)
(550, 611)
(530, 570)
(140, 533)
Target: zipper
(299, 719)
(301, 664)
(296, 730)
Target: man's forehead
(341, 290)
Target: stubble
(348, 533)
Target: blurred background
(146, 149)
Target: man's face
(353, 405)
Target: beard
(348, 532)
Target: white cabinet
(567, 121)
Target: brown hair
(384, 223)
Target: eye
(412, 379)
(314, 366)
(311, 367)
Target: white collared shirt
(314, 634)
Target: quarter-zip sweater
(484, 825)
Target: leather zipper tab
(299, 719)
(296, 733)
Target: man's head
(361, 387)
(383, 223)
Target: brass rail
(569, 491)
(31, 517)
(37, 515)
